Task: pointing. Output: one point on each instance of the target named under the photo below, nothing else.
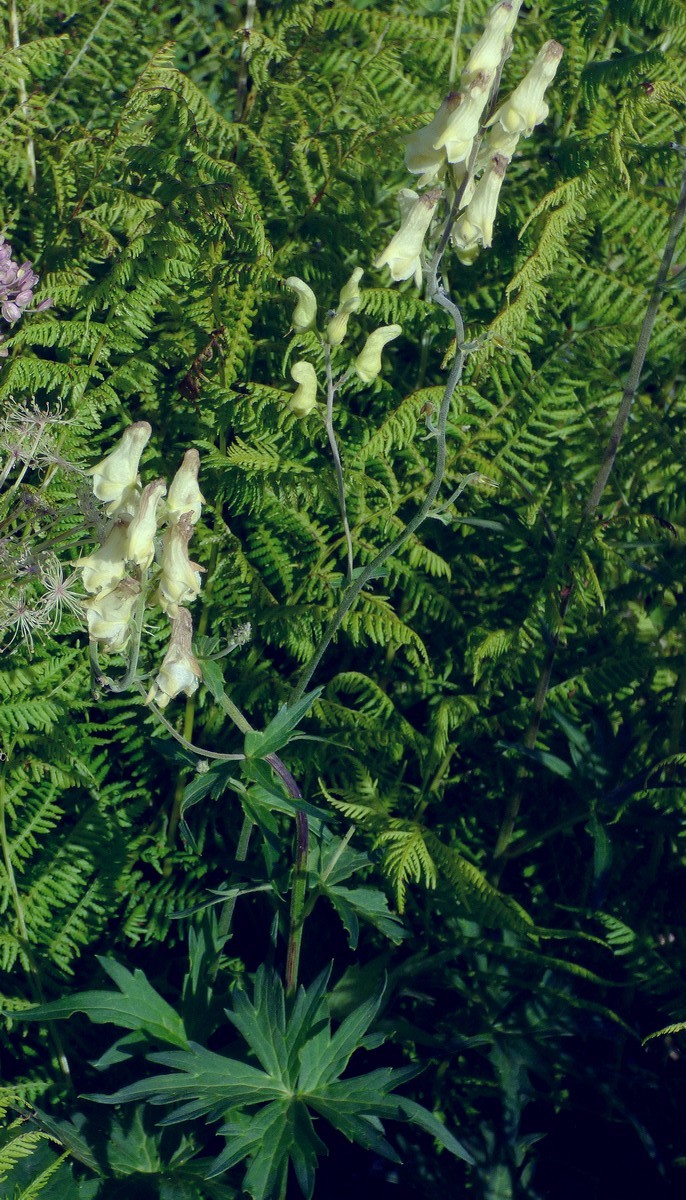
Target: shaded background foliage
(184, 169)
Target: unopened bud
(368, 362)
(305, 313)
(304, 398)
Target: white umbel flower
(180, 670)
(402, 255)
(526, 107)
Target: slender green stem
(298, 889)
(338, 467)
(226, 915)
(629, 395)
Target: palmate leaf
(135, 1006)
(335, 862)
(301, 1063)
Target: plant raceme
(117, 574)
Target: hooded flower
(458, 135)
(184, 494)
(368, 362)
(421, 157)
(476, 223)
(349, 301)
(526, 107)
(109, 614)
(116, 477)
(180, 670)
(305, 313)
(304, 398)
(403, 253)
(489, 51)
(140, 543)
(180, 578)
(105, 567)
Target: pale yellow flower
(105, 567)
(180, 670)
(476, 223)
(489, 51)
(460, 131)
(184, 494)
(349, 302)
(180, 578)
(109, 614)
(140, 542)
(421, 156)
(402, 255)
(526, 107)
(116, 477)
(368, 362)
(304, 398)
(305, 313)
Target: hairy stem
(629, 395)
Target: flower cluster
(146, 533)
(17, 284)
(442, 153)
(367, 364)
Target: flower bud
(109, 614)
(140, 546)
(115, 478)
(305, 313)
(105, 567)
(349, 301)
(350, 297)
(490, 50)
(463, 126)
(526, 107)
(368, 362)
(180, 670)
(180, 578)
(476, 223)
(304, 398)
(184, 494)
(402, 254)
